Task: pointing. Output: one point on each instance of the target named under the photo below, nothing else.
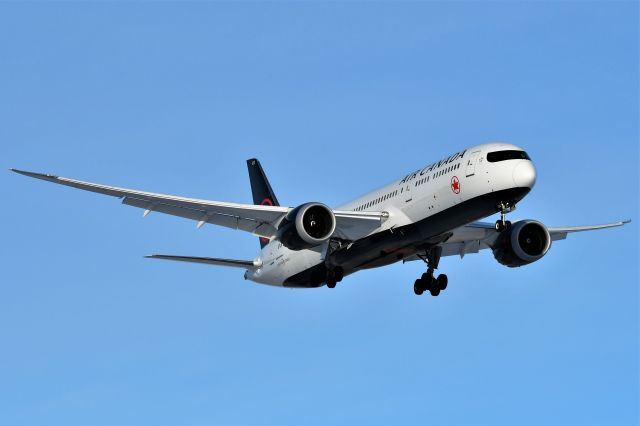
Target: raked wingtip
(34, 174)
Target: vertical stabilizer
(260, 189)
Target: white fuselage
(413, 198)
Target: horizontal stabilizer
(244, 264)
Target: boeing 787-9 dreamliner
(428, 213)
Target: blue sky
(335, 99)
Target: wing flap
(202, 214)
(352, 225)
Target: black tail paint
(261, 189)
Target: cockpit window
(496, 156)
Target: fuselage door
(471, 163)
(407, 191)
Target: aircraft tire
(442, 282)
(417, 287)
(427, 280)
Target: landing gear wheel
(426, 279)
(331, 284)
(502, 226)
(442, 281)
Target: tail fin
(261, 189)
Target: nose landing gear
(427, 281)
(504, 208)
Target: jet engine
(306, 226)
(524, 242)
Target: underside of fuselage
(390, 246)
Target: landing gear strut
(503, 224)
(427, 281)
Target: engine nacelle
(306, 226)
(523, 243)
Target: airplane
(428, 213)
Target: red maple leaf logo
(455, 185)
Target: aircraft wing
(480, 235)
(258, 219)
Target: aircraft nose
(524, 174)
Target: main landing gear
(503, 224)
(428, 281)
